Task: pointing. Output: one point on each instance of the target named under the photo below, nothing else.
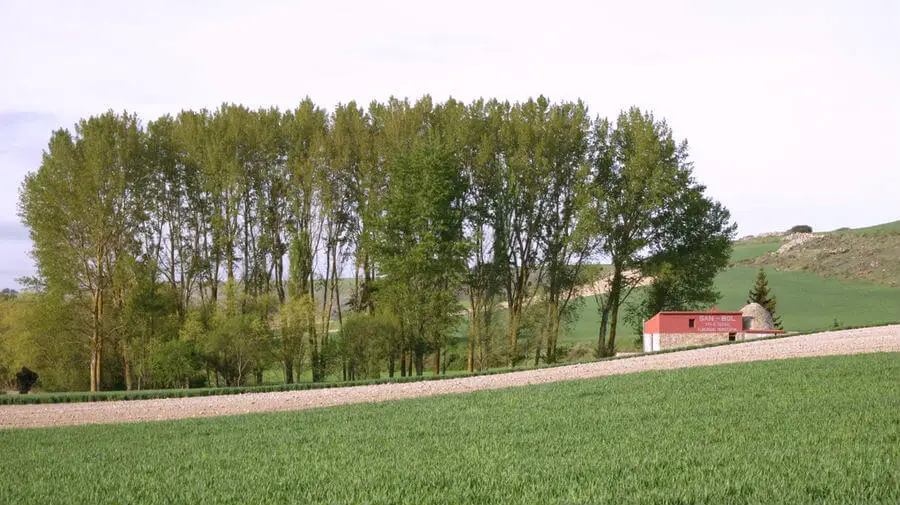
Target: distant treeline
(208, 247)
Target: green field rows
(801, 431)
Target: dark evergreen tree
(762, 295)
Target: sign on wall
(719, 323)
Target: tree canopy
(212, 246)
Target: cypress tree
(761, 294)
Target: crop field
(802, 431)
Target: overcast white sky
(792, 109)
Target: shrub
(801, 228)
(580, 352)
(25, 380)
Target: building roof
(698, 313)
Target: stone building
(668, 330)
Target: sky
(791, 108)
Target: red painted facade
(694, 322)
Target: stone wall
(670, 340)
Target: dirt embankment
(851, 256)
(881, 339)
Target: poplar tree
(82, 213)
(420, 247)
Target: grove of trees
(215, 246)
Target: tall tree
(83, 218)
(420, 248)
(695, 244)
(521, 206)
(639, 172)
(481, 150)
(566, 243)
(305, 131)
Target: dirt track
(881, 339)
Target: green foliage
(166, 241)
(761, 294)
(367, 343)
(38, 331)
(175, 363)
(801, 228)
(419, 244)
(831, 421)
(653, 219)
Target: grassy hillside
(880, 229)
(848, 277)
(867, 254)
(808, 302)
(752, 249)
(802, 431)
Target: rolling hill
(847, 277)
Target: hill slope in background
(840, 278)
(866, 254)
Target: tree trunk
(96, 340)
(606, 346)
(289, 370)
(419, 358)
(126, 370)
(473, 335)
(601, 334)
(513, 334)
(552, 330)
(614, 319)
(436, 368)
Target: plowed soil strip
(865, 340)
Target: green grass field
(584, 329)
(750, 250)
(808, 302)
(802, 431)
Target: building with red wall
(666, 330)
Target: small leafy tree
(761, 294)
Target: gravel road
(866, 340)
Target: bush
(25, 380)
(580, 352)
(801, 228)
